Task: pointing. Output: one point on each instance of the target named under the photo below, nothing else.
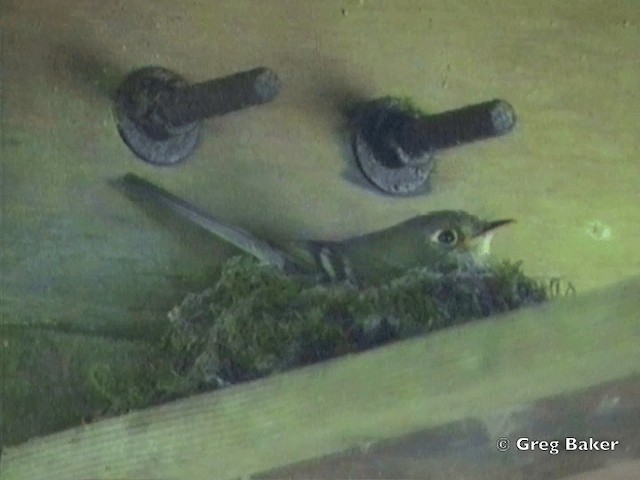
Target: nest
(256, 321)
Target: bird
(435, 241)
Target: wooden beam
(619, 471)
(453, 374)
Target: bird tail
(246, 242)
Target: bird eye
(446, 237)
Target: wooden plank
(453, 374)
(619, 471)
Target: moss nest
(256, 321)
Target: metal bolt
(394, 145)
(158, 112)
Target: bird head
(457, 232)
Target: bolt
(427, 133)
(394, 145)
(158, 112)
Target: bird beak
(491, 226)
(480, 243)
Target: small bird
(435, 240)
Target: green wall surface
(79, 256)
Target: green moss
(407, 104)
(404, 104)
(256, 321)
